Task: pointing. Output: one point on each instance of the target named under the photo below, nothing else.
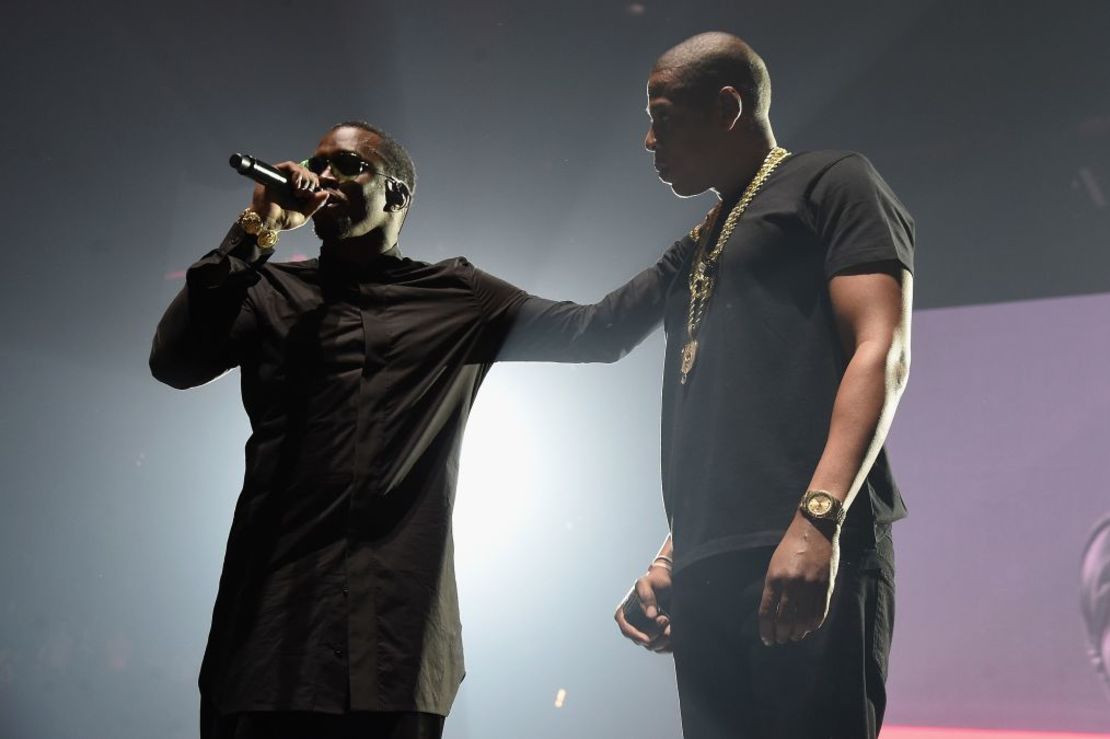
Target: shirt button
(338, 652)
(345, 592)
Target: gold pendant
(689, 354)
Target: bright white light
(499, 456)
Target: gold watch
(820, 506)
(251, 222)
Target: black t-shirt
(741, 439)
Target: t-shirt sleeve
(858, 217)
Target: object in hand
(264, 174)
(633, 609)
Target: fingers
(641, 620)
(768, 610)
(661, 644)
(317, 200)
(791, 610)
(303, 182)
(646, 594)
(627, 629)
(786, 617)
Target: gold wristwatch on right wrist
(251, 222)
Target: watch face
(819, 505)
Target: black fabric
(338, 589)
(741, 439)
(304, 725)
(830, 685)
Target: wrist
(829, 530)
(662, 561)
(266, 236)
(820, 506)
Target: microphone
(262, 173)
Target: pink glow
(922, 732)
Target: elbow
(613, 356)
(603, 347)
(886, 361)
(165, 371)
(898, 376)
(610, 352)
(898, 366)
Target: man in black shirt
(787, 351)
(337, 612)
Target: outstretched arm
(550, 331)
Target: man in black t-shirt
(787, 351)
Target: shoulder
(478, 279)
(830, 165)
(448, 274)
(455, 263)
(839, 177)
(274, 274)
(300, 267)
(459, 268)
(453, 273)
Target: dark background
(990, 119)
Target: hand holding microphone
(287, 194)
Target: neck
(745, 161)
(359, 251)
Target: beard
(331, 227)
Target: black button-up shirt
(338, 589)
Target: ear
(731, 105)
(397, 195)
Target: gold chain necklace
(704, 269)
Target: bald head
(697, 69)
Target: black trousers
(306, 725)
(830, 685)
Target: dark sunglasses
(344, 164)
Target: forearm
(862, 414)
(665, 556)
(192, 343)
(549, 331)
(667, 549)
(545, 330)
(182, 354)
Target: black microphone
(262, 173)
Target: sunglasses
(344, 164)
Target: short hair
(700, 66)
(397, 160)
